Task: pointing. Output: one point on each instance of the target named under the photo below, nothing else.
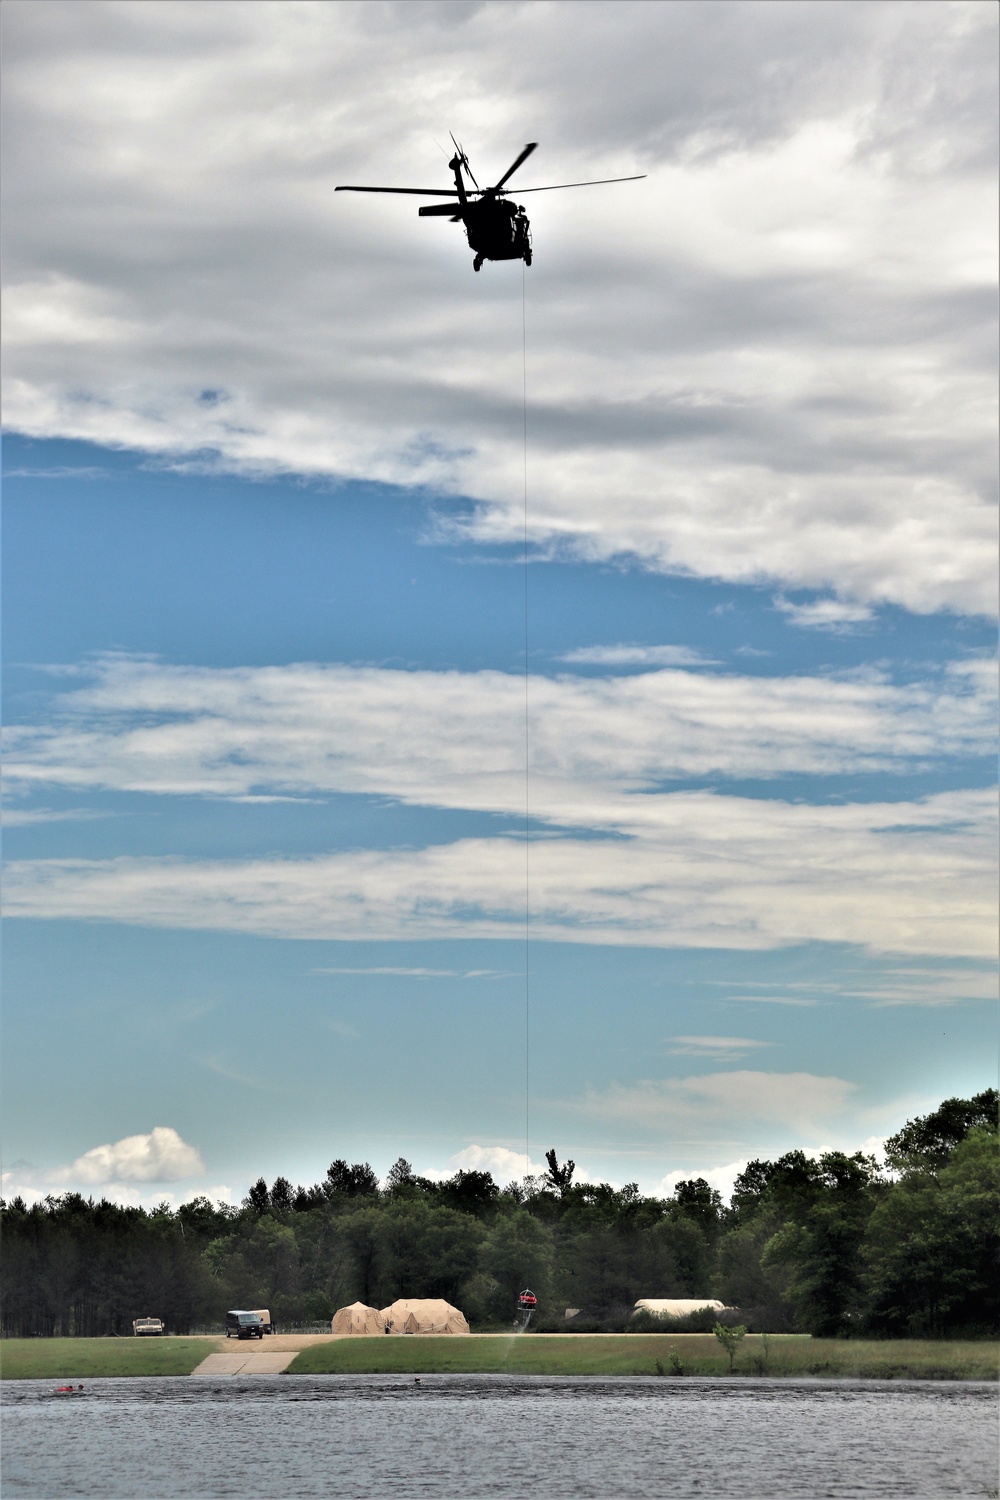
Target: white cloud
(420, 973)
(721, 1048)
(160, 1156)
(34, 1187)
(767, 361)
(157, 1157)
(931, 987)
(835, 615)
(773, 1000)
(637, 656)
(504, 1164)
(800, 1102)
(15, 817)
(721, 1178)
(456, 739)
(688, 869)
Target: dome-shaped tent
(358, 1318)
(423, 1315)
(679, 1307)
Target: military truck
(144, 1327)
(265, 1318)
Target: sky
(456, 715)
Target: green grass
(637, 1354)
(83, 1359)
(535, 1354)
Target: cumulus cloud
(159, 1156)
(504, 1164)
(722, 1178)
(686, 869)
(770, 360)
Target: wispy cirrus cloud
(637, 656)
(804, 1103)
(405, 973)
(834, 615)
(687, 869)
(457, 738)
(721, 1048)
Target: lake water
(356, 1436)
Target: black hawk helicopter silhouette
(495, 228)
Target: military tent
(358, 1319)
(427, 1315)
(677, 1307)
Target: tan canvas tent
(358, 1319)
(677, 1307)
(427, 1315)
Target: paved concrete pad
(247, 1362)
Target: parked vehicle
(265, 1318)
(146, 1326)
(245, 1325)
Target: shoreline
(787, 1356)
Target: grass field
(637, 1354)
(82, 1359)
(536, 1354)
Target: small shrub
(761, 1359)
(730, 1339)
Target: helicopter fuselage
(497, 230)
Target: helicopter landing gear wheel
(477, 263)
(527, 257)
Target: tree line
(832, 1245)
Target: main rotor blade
(437, 210)
(596, 182)
(420, 192)
(531, 146)
(463, 158)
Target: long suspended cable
(527, 768)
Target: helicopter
(495, 228)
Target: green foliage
(933, 1245)
(928, 1141)
(826, 1245)
(820, 1247)
(730, 1338)
(559, 1177)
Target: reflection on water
(381, 1435)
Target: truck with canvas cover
(265, 1318)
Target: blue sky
(264, 608)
